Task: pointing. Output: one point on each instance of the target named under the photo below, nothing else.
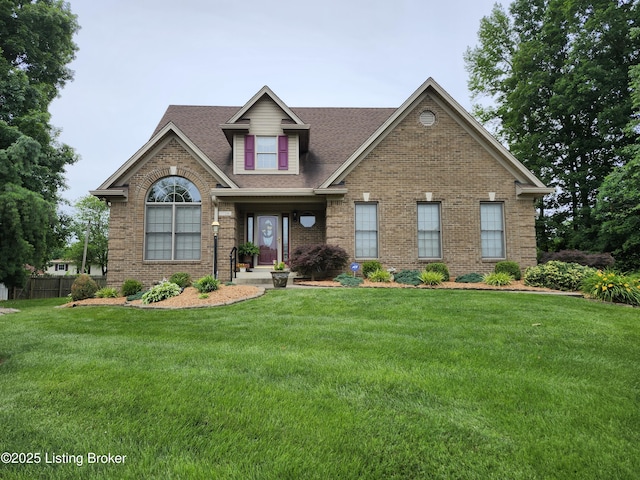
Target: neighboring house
(421, 183)
(60, 268)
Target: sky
(137, 57)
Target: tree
(618, 207)
(36, 44)
(557, 72)
(92, 215)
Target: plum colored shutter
(249, 152)
(283, 152)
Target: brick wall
(126, 234)
(447, 161)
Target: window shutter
(283, 152)
(249, 152)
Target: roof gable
(265, 91)
(107, 188)
(521, 174)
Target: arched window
(172, 220)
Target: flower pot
(279, 279)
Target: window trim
(273, 155)
(174, 233)
(502, 232)
(439, 231)
(377, 230)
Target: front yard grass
(326, 383)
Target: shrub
(311, 260)
(207, 284)
(83, 287)
(130, 287)
(612, 287)
(497, 279)
(438, 267)
(557, 275)
(161, 292)
(469, 278)
(595, 260)
(512, 268)
(107, 292)
(380, 276)
(370, 266)
(431, 277)
(408, 277)
(135, 296)
(347, 280)
(182, 279)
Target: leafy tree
(557, 75)
(36, 44)
(91, 213)
(618, 207)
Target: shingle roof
(335, 134)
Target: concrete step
(258, 276)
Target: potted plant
(242, 267)
(279, 275)
(246, 251)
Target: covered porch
(276, 222)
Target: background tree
(618, 207)
(92, 213)
(557, 74)
(36, 44)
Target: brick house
(421, 183)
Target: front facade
(409, 186)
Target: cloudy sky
(136, 57)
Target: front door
(268, 239)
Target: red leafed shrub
(595, 260)
(317, 260)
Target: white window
(492, 230)
(366, 230)
(172, 229)
(267, 153)
(429, 235)
(62, 267)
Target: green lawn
(326, 384)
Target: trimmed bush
(207, 284)
(83, 287)
(612, 287)
(380, 276)
(408, 277)
(595, 260)
(107, 292)
(317, 260)
(558, 275)
(130, 287)
(498, 279)
(182, 279)
(470, 278)
(431, 277)
(161, 292)
(512, 268)
(347, 280)
(370, 266)
(438, 267)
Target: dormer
(266, 136)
